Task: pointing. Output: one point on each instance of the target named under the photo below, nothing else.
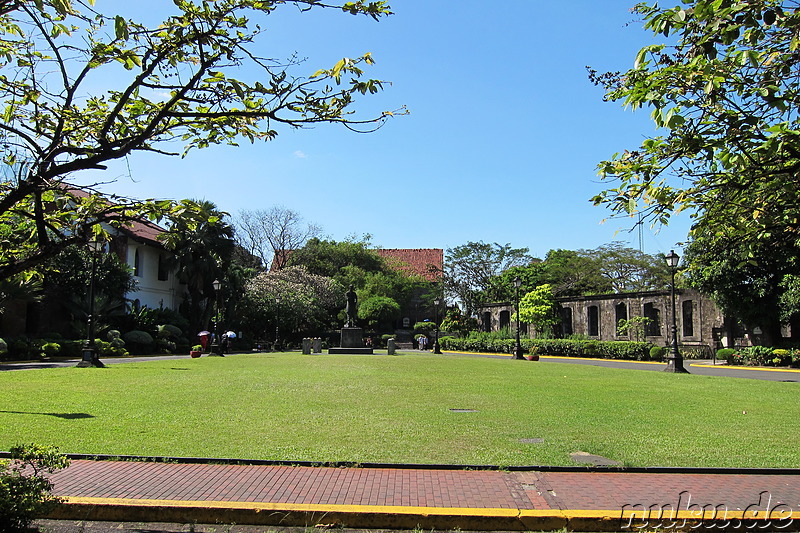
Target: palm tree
(202, 244)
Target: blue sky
(500, 145)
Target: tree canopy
(759, 293)
(608, 268)
(470, 268)
(355, 262)
(272, 234)
(538, 307)
(165, 89)
(723, 90)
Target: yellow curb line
(382, 516)
(563, 357)
(304, 507)
(753, 368)
(758, 368)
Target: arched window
(505, 319)
(566, 321)
(621, 313)
(593, 321)
(653, 327)
(688, 318)
(487, 321)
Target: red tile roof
(144, 230)
(426, 262)
(141, 230)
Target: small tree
(24, 489)
(379, 311)
(636, 326)
(457, 322)
(538, 307)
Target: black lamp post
(675, 363)
(218, 315)
(277, 322)
(517, 346)
(90, 357)
(436, 348)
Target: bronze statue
(351, 308)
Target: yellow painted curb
(563, 357)
(751, 368)
(287, 514)
(399, 517)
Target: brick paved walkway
(345, 495)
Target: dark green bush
(51, 348)
(486, 343)
(71, 348)
(726, 354)
(657, 353)
(139, 342)
(24, 489)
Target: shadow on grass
(65, 416)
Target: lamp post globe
(518, 351)
(675, 359)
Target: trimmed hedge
(636, 351)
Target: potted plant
(533, 354)
(196, 351)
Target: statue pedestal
(352, 342)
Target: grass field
(399, 410)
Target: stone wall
(699, 322)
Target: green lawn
(398, 410)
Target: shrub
(591, 348)
(485, 342)
(757, 355)
(168, 331)
(781, 357)
(197, 348)
(424, 327)
(140, 342)
(71, 348)
(3, 347)
(106, 349)
(51, 348)
(727, 354)
(657, 353)
(24, 490)
(166, 346)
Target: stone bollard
(306, 346)
(392, 347)
(317, 344)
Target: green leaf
(120, 28)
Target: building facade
(700, 323)
(156, 283)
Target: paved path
(439, 498)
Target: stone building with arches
(700, 323)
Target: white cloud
(299, 154)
